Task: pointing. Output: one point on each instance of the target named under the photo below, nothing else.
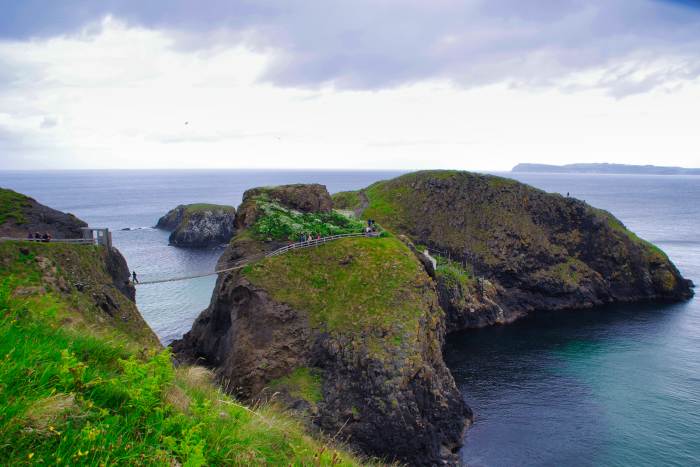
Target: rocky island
(623, 169)
(505, 248)
(350, 333)
(199, 225)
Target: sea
(618, 386)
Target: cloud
(48, 122)
(370, 44)
(122, 92)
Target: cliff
(199, 225)
(21, 215)
(349, 333)
(505, 248)
(84, 381)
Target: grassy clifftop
(551, 251)
(20, 215)
(84, 381)
(11, 206)
(357, 286)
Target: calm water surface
(618, 386)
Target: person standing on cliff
(134, 278)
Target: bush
(280, 223)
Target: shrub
(280, 223)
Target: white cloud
(122, 95)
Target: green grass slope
(11, 205)
(371, 288)
(80, 387)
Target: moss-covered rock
(199, 225)
(305, 198)
(21, 215)
(538, 250)
(92, 281)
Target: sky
(360, 84)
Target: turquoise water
(617, 386)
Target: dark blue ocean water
(619, 386)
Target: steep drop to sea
(651, 416)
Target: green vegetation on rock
(558, 252)
(358, 286)
(277, 222)
(454, 273)
(11, 204)
(302, 383)
(346, 200)
(201, 207)
(80, 389)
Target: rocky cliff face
(93, 279)
(21, 215)
(199, 225)
(304, 198)
(350, 333)
(508, 248)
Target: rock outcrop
(199, 225)
(350, 333)
(508, 248)
(21, 215)
(302, 197)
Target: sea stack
(199, 225)
(349, 333)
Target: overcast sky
(472, 84)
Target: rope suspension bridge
(280, 251)
(106, 240)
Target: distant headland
(605, 169)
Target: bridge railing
(318, 241)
